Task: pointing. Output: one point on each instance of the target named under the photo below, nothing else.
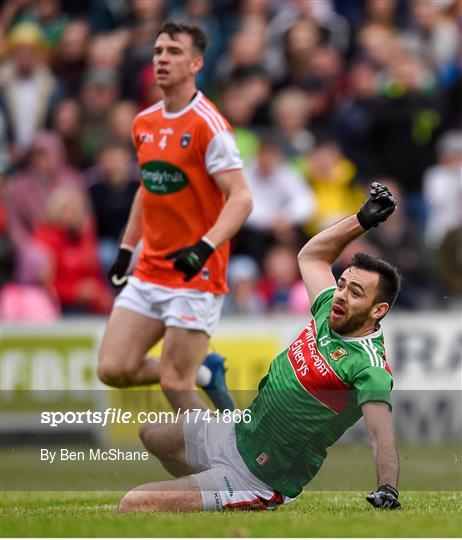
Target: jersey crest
(185, 140)
(338, 353)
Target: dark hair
(390, 278)
(198, 36)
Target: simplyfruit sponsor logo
(162, 178)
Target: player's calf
(181, 495)
(179, 388)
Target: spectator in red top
(70, 239)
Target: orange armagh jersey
(178, 153)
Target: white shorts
(182, 308)
(224, 479)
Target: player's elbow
(306, 253)
(246, 202)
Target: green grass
(325, 510)
(320, 514)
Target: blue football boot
(216, 389)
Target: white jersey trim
(222, 153)
(374, 357)
(213, 118)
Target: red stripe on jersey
(314, 372)
(387, 367)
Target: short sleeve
(323, 301)
(222, 153)
(373, 384)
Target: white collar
(373, 335)
(184, 110)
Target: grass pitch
(323, 511)
(320, 514)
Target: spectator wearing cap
(282, 201)
(28, 89)
(47, 14)
(444, 212)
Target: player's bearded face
(351, 322)
(353, 301)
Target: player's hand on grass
(378, 206)
(384, 497)
(191, 259)
(118, 272)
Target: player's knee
(111, 375)
(149, 434)
(129, 502)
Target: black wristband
(363, 221)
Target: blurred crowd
(323, 95)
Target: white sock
(203, 376)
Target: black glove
(191, 259)
(384, 497)
(118, 272)
(377, 208)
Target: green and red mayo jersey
(311, 395)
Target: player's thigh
(183, 352)
(128, 337)
(181, 495)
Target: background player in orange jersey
(192, 199)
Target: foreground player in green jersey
(333, 373)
